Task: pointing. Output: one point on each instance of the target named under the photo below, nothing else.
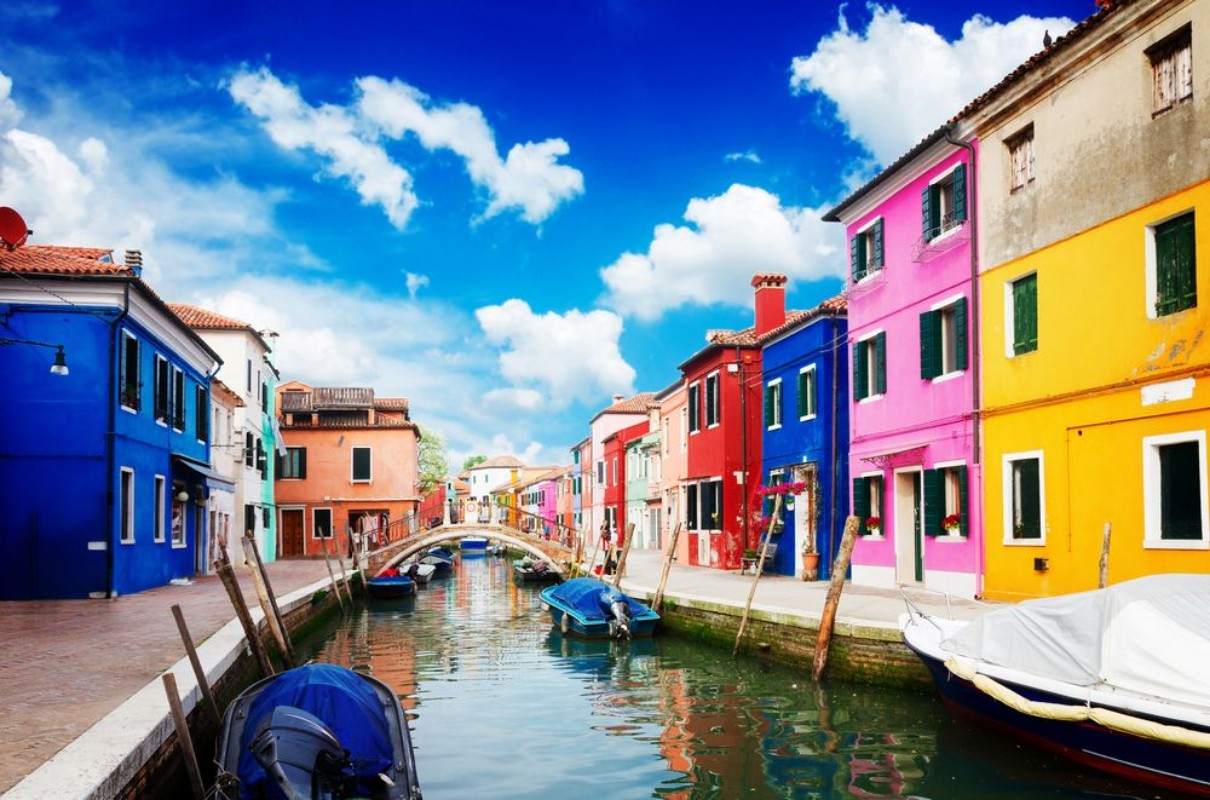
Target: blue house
(104, 455)
(805, 433)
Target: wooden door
(292, 532)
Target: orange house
(349, 464)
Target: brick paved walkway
(65, 664)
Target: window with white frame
(869, 366)
(867, 503)
(713, 404)
(1024, 498)
(1172, 70)
(1021, 158)
(704, 505)
(163, 389)
(773, 404)
(1021, 297)
(1171, 256)
(362, 466)
(943, 203)
(806, 399)
(695, 407)
(131, 377)
(943, 340)
(945, 501)
(1175, 500)
(178, 399)
(179, 509)
(866, 251)
(684, 428)
(321, 523)
(126, 506)
(161, 507)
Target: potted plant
(873, 525)
(950, 525)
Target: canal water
(503, 706)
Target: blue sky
(507, 212)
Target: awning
(214, 480)
(904, 456)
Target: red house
(615, 478)
(724, 397)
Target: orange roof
(748, 338)
(632, 405)
(196, 317)
(41, 259)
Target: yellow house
(1094, 229)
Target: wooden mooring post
(332, 576)
(281, 622)
(620, 567)
(760, 570)
(267, 606)
(182, 734)
(669, 557)
(828, 620)
(227, 575)
(196, 663)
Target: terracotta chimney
(770, 301)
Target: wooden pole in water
(839, 568)
(182, 735)
(620, 567)
(262, 596)
(344, 579)
(227, 575)
(196, 663)
(760, 570)
(669, 557)
(332, 576)
(596, 549)
(277, 615)
(1104, 580)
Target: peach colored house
(674, 462)
(350, 465)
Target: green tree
(433, 467)
(472, 461)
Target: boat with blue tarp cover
(593, 609)
(440, 557)
(386, 587)
(317, 731)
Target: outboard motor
(615, 602)
(303, 757)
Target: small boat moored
(473, 545)
(441, 558)
(595, 610)
(317, 731)
(527, 570)
(1113, 678)
(421, 573)
(386, 587)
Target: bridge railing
(541, 526)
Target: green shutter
(855, 260)
(960, 193)
(1025, 314)
(963, 514)
(302, 462)
(860, 385)
(277, 465)
(930, 366)
(768, 406)
(880, 360)
(800, 399)
(1176, 267)
(876, 255)
(1030, 500)
(926, 213)
(934, 501)
(861, 503)
(960, 333)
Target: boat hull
(1137, 758)
(587, 619)
(527, 575)
(391, 588)
(474, 544)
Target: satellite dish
(12, 229)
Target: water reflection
(504, 706)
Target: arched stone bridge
(558, 555)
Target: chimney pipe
(134, 261)
(617, 398)
(770, 301)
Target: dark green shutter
(929, 350)
(880, 360)
(1030, 508)
(963, 515)
(860, 385)
(1180, 493)
(926, 213)
(861, 503)
(855, 260)
(302, 462)
(1176, 270)
(934, 501)
(876, 255)
(1025, 314)
(277, 465)
(768, 406)
(960, 333)
(959, 183)
(800, 399)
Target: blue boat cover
(342, 700)
(441, 552)
(590, 598)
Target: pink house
(913, 307)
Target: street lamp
(58, 367)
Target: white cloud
(415, 282)
(747, 155)
(566, 357)
(711, 260)
(518, 399)
(331, 132)
(10, 115)
(529, 178)
(899, 80)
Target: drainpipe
(111, 542)
(972, 205)
(743, 440)
(836, 488)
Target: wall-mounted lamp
(182, 496)
(58, 367)
(1041, 564)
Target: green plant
(319, 596)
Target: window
(361, 465)
(703, 507)
(773, 404)
(1175, 264)
(131, 380)
(613, 480)
(865, 251)
(943, 340)
(869, 367)
(684, 428)
(201, 412)
(867, 501)
(806, 392)
(126, 507)
(178, 399)
(1023, 313)
(261, 458)
(1021, 158)
(601, 473)
(293, 464)
(1172, 70)
(178, 517)
(162, 389)
(1175, 503)
(321, 523)
(249, 449)
(264, 397)
(249, 376)
(695, 410)
(945, 496)
(161, 507)
(943, 203)
(1023, 498)
(713, 415)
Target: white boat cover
(1150, 636)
